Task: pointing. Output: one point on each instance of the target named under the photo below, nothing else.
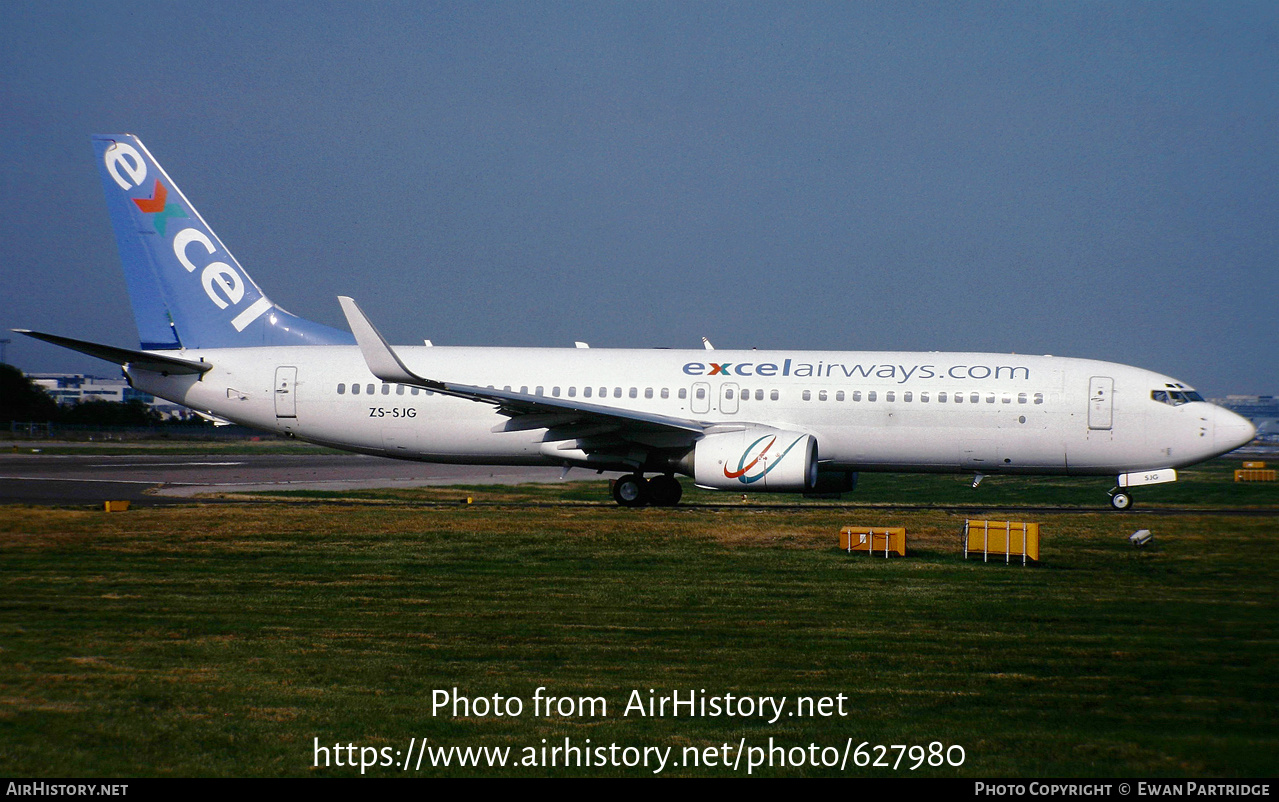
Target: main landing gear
(633, 490)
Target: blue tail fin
(186, 288)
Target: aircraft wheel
(630, 490)
(664, 491)
(1121, 501)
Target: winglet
(382, 361)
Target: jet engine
(756, 459)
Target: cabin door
(286, 397)
(728, 398)
(700, 403)
(1101, 402)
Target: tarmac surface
(159, 478)
(153, 477)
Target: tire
(1121, 501)
(630, 490)
(664, 491)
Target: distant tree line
(25, 401)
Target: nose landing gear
(1120, 499)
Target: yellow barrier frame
(874, 539)
(997, 536)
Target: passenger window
(617, 392)
(906, 396)
(890, 396)
(633, 393)
(538, 391)
(857, 395)
(342, 388)
(870, 396)
(728, 394)
(1021, 398)
(975, 397)
(773, 395)
(701, 393)
(413, 390)
(572, 392)
(683, 393)
(923, 398)
(1039, 398)
(808, 395)
(523, 389)
(555, 391)
(648, 392)
(386, 389)
(507, 388)
(990, 398)
(839, 396)
(368, 388)
(399, 389)
(759, 395)
(586, 392)
(941, 398)
(1007, 398)
(821, 395)
(666, 393)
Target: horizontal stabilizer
(168, 365)
(214, 419)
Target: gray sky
(1081, 179)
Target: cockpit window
(1175, 398)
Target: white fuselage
(869, 411)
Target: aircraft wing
(527, 411)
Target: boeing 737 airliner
(777, 421)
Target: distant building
(1262, 410)
(72, 388)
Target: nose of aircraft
(1230, 431)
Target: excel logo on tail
(156, 205)
(223, 282)
(759, 459)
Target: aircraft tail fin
(186, 288)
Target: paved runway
(158, 478)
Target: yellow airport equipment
(1254, 474)
(1254, 464)
(874, 540)
(117, 506)
(1009, 538)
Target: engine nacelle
(757, 459)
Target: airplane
(737, 420)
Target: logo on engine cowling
(751, 469)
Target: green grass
(220, 640)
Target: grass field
(221, 640)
